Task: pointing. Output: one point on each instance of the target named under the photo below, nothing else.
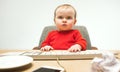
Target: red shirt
(62, 40)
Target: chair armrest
(94, 48)
(36, 48)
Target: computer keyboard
(59, 54)
(63, 54)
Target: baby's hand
(75, 48)
(46, 48)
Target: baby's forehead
(65, 10)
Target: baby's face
(65, 19)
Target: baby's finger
(42, 49)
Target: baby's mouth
(64, 24)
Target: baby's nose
(64, 20)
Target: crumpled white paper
(108, 63)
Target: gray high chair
(82, 29)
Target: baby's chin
(65, 29)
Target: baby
(64, 38)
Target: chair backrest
(82, 30)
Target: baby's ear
(75, 21)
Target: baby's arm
(75, 48)
(46, 48)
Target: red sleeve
(80, 40)
(46, 41)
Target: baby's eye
(60, 17)
(69, 17)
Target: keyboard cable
(60, 65)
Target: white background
(22, 21)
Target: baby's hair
(65, 6)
